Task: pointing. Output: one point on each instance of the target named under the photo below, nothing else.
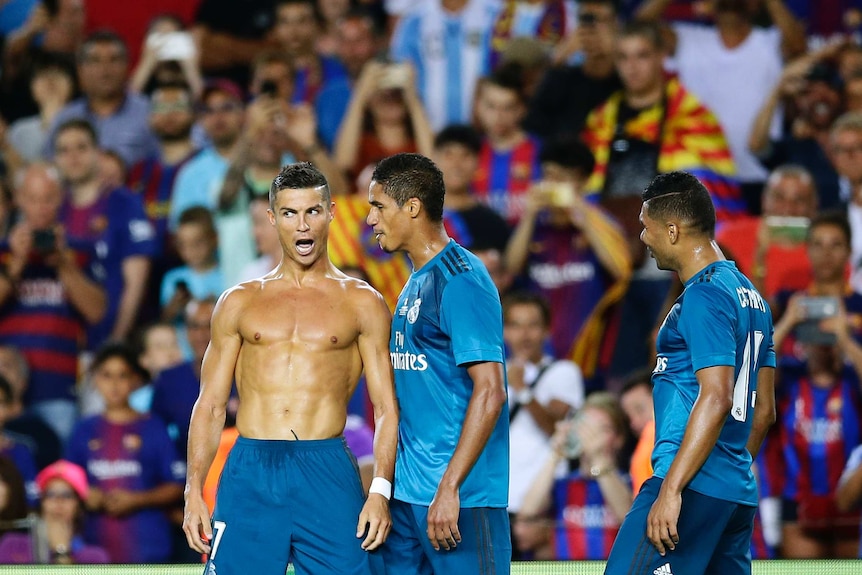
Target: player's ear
(331, 210)
(672, 232)
(414, 207)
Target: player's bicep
(373, 342)
(486, 376)
(219, 362)
(716, 382)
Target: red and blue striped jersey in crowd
(135, 456)
(153, 181)
(306, 86)
(119, 228)
(503, 178)
(584, 526)
(819, 429)
(41, 321)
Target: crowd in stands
(138, 142)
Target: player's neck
(426, 244)
(300, 274)
(698, 255)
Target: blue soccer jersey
(720, 319)
(448, 317)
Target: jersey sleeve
(707, 322)
(472, 317)
(134, 234)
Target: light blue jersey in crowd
(448, 316)
(720, 319)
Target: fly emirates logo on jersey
(406, 360)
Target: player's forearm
(483, 412)
(849, 492)
(205, 427)
(702, 432)
(764, 410)
(385, 443)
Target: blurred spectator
(112, 169)
(111, 218)
(846, 140)
(548, 21)
(853, 92)
(171, 118)
(198, 182)
(588, 505)
(12, 447)
(13, 495)
(169, 56)
(265, 239)
(159, 349)
(509, 158)
(272, 76)
(297, 28)
(636, 402)
(359, 39)
(331, 13)
(385, 117)
(575, 255)
(828, 245)
(120, 117)
(770, 249)
(228, 39)
(819, 417)
(568, 93)
(542, 390)
(31, 429)
(848, 496)
(814, 90)
(199, 276)
(276, 133)
(55, 28)
(132, 467)
(63, 490)
(50, 293)
(469, 222)
(447, 43)
(731, 65)
(492, 258)
(634, 136)
(52, 85)
(176, 389)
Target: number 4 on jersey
(739, 411)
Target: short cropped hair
(201, 216)
(461, 134)
(835, 218)
(299, 176)
(121, 350)
(78, 124)
(680, 195)
(608, 402)
(510, 77)
(405, 176)
(569, 152)
(104, 36)
(527, 298)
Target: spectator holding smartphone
(169, 56)
(50, 292)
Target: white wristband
(382, 486)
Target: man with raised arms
(296, 341)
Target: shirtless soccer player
(296, 341)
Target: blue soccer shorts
(714, 538)
(288, 501)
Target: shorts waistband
(292, 445)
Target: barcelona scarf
(691, 141)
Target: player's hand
(375, 517)
(662, 521)
(196, 523)
(443, 519)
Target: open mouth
(304, 247)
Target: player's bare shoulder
(365, 299)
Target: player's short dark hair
(509, 76)
(405, 176)
(570, 152)
(121, 350)
(522, 297)
(640, 377)
(104, 36)
(461, 134)
(835, 218)
(299, 176)
(649, 31)
(201, 216)
(78, 124)
(680, 195)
